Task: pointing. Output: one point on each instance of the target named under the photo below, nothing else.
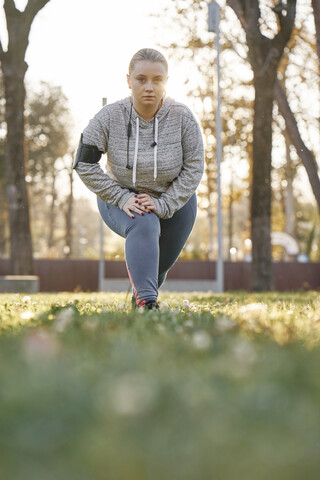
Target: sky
(85, 46)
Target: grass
(211, 387)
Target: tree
(306, 155)
(303, 151)
(68, 215)
(301, 44)
(193, 48)
(264, 56)
(294, 79)
(190, 18)
(14, 68)
(3, 202)
(48, 127)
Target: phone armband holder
(86, 153)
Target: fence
(72, 275)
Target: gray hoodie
(170, 171)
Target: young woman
(155, 163)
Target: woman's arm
(102, 185)
(92, 175)
(183, 187)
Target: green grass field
(223, 387)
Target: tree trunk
(3, 204)
(261, 186)
(289, 210)
(264, 55)
(230, 225)
(14, 68)
(3, 233)
(316, 16)
(17, 196)
(52, 214)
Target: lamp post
(213, 26)
(101, 261)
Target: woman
(155, 163)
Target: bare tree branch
(252, 14)
(9, 7)
(32, 8)
(19, 24)
(238, 10)
(316, 15)
(303, 152)
(248, 13)
(13, 15)
(282, 37)
(279, 10)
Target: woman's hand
(140, 203)
(146, 201)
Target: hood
(160, 115)
(142, 123)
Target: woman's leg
(141, 248)
(174, 234)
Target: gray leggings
(152, 244)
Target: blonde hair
(148, 54)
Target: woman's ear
(128, 80)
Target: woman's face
(147, 82)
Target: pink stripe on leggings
(139, 302)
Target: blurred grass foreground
(210, 387)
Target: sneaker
(147, 306)
(152, 306)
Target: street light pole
(213, 26)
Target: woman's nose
(149, 86)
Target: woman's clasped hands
(140, 203)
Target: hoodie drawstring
(155, 166)
(136, 148)
(135, 159)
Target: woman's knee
(147, 226)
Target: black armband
(86, 153)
